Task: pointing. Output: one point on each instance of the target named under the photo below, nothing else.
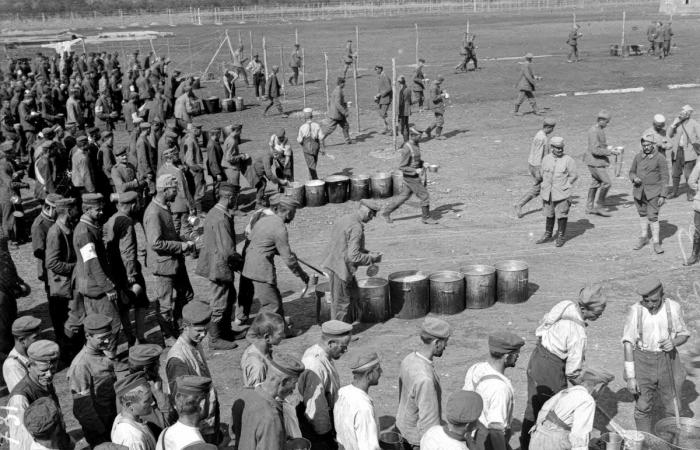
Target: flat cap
(648, 286)
(97, 323)
(51, 199)
(596, 375)
(687, 108)
(591, 295)
(82, 139)
(364, 361)
(130, 382)
(25, 325)
(41, 418)
(120, 150)
(145, 125)
(105, 134)
(289, 202)
(275, 199)
(439, 79)
(371, 204)
(308, 113)
(336, 328)
(92, 199)
(43, 350)
(549, 122)
(380, 67)
(128, 197)
(280, 133)
(196, 313)
(604, 114)
(228, 188)
(287, 364)
(46, 130)
(200, 446)
(504, 342)
(171, 134)
(133, 96)
(464, 407)
(659, 118)
(556, 141)
(166, 181)
(66, 202)
(649, 137)
(192, 385)
(143, 355)
(436, 327)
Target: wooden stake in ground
(296, 36)
(328, 102)
(264, 46)
(574, 18)
(393, 101)
(357, 44)
(468, 21)
(284, 78)
(153, 49)
(240, 41)
(303, 76)
(357, 104)
(416, 44)
(622, 44)
(250, 36)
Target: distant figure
(526, 86)
(666, 34)
(574, 36)
(651, 37)
(349, 58)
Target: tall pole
(357, 104)
(622, 44)
(393, 101)
(296, 35)
(303, 76)
(467, 25)
(416, 43)
(240, 41)
(265, 58)
(284, 78)
(250, 36)
(325, 61)
(357, 45)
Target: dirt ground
(483, 171)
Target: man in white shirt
(463, 410)
(538, 149)
(489, 381)
(560, 352)
(191, 405)
(25, 331)
(353, 413)
(566, 420)
(654, 328)
(310, 138)
(135, 397)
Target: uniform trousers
(241, 71)
(536, 174)
(311, 159)
(8, 314)
(573, 51)
(556, 208)
(246, 292)
(439, 120)
(58, 312)
(482, 441)
(269, 297)
(654, 379)
(522, 95)
(259, 82)
(600, 179)
(199, 186)
(403, 127)
(344, 125)
(411, 185)
(648, 207)
(681, 167)
(418, 98)
(667, 47)
(172, 293)
(233, 175)
(8, 218)
(274, 101)
(344, 298)
(294, 79)
(222, 298)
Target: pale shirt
(436, 439)
(497, 393)
(321, 392)
(132, 434)
(178, 436)
(37, 446)
(563, 332)
(20, 439)
(14, 369)
(576, 408)
(280, 147)
(309, 129)
(254, 67)
(354, 420)
(538, 148)
(654, 326)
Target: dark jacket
(120, 243)
(346, 250)
(218, 258)
(60, 261)
(404, 109)
(214, 155)
(526, 82)
(597, 154)
(40, 228)
(653, 172)
(384, 89)
(272, 87)
(268, 238)
(91, 268)
(164, 248)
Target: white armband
(629, 369)
(88, 252)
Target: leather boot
(427, 131)
(590, 209)
(426, 216)
(561, 231)
(216, 340)
(674, 189)
(438, 134)
(695, 256)
(548, 228)
(600, 205)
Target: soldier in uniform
(572, 42)
(215, 155)
(597, 160)
(652, 31)
(418, 86)
(338, 113)
(190, 401)
(526, 86)
(384, 97)
(462, 412)
(105, 162)
(40, 228)
(311, 137)
(145, 359)
(82, 168)
(233, 161)
(658, 129)
(146, 159)
(274, 92)
(659, 40)
(25, 331)
(538, 149)
(667, 34)
(43, 421)
(169, 139)
(349, 59)
(182, 205)
(295, 62)
(685, 133)
(257, 71)
(194, 162)
(436, 102)
(404, 108)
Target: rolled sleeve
(629, 332)
(575, 356)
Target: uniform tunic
(558, 175)
(565, 421)
(420, 398)
(14, 368)
(257, 421)
(83, 172)
(40, 227)
(318, 386)
(132, 434)
(355, 421)
(652, 171)
(435, 438)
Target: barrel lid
(381, 175)
(371, 282)
(336, 178)
(408, 276)
(315, 183)
(478, 269)
(360, 176)
(445, 276)
(512, 265)
(294, 184)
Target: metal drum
(295, 190)
(410, 294)
(239, 104)
(481, 285)
(447, 292)
(396, 181)
(212, 105)
(374, 300)
(323, 302)
(390, 440)
(337, 187)
(511, 281)
(315, 193)
(381, 185)
(359, 187)
(228, 104)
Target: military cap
(308, 112)
(649, 137)
(648, 286)
(549, 122)
(142, 355)
(92, 199)
(289, 202)
(169, 152)
(529, 55)
(118, 151)
(7, 146)
(556, 141)
(659, 119)
(130, 382)
(145, 125)
(591, 295)
(192, 385)
(401, 79)
(65, 203)
(687, 108)
(604, 114)
(596, 375)
(46, 130)
(378, 67)
(336, 328)
(105, 134)
(228, 188)
(25, 325)
(436, 327)
(196, 313)
(125, 198)
(200, 446)
(280, 133)
(371, 204)
(97, 323)
(41, 418)
(364, 361)
(166, 181)
(43, 350)
(464, 407)
(439, 79)
(133, 95)
(51, 199)
(287, 364)
(171, 134)
(504, 342)
(82, 139)
(215, 130)
(275, 199)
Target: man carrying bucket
(654, 328)
(346, 252)
(560, 352)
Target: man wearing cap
(136, 401)
(190, 398)
(489, 381)
(598, 162)
(349, 59)
(43, 421)
(338, 113)
(282, 156)
(121, 247)
(145, 158)
(538, 149)
(566, 419)
(10, 185)
(320, 382)
(183, 204)
(186, 357)
(353, 414)
(403, 110)
(274, 92)
(238, 62)
(28, 119)
(560, 352)
(658, 129)
(311, 137)
(75, 119)
(383, 97)
(233, 162)
(166, 249)
(436, 102)
(685, 135)
(130, 112)
(649, 176)
(345, 254)
(257, 71)
(184, 108)
(123, 174)
(25, 331)
(105, 161)
(526, 85)
(215, 155)
(418, 86)
(40, 228)
(295, 62)
(420, 391)
(194, 162)
(145, 359)
(36, 384)
(462, 412)
(168, 140)
(653, 330)
(82, 168)
(229, 82)
(572, 41)
(257, 416)
(269, 237)
(104, 112)
(558, 176)
(91, 379)
(218, 263)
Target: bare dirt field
(483, 171)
